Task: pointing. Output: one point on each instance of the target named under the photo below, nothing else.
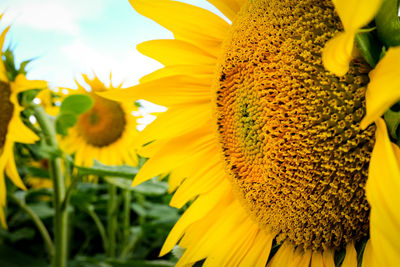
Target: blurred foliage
(151, 219)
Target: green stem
(127, 217)
(61, 216)
(100, 226)
(112, 219)
(39, 224)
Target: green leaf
(77, 104)
(152, 188)
(20, 195)
(369, 47)
(157, 211)
(392, 119)
(139, 209)
(120, 182)
(42, 209)
(112, 171)
(37, 172)
(388, 23)
(64, 121)
(21, 234)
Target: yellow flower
(265, 141)
(12, 129)
(106, 132)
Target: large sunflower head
(265, 140)
(106, 132)
(12, 129)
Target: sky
(69, 37)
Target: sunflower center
(289, 130)
(6, 112)
(103, 124)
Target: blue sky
(69, 37)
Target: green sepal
(388, 24)
(11, 68)
(392, 119)
(27, 97)
(369, 47)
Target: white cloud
(126, 66)
(54, 15)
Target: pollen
(104, 124)
(6, 112)
(289, 130)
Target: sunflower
(264, 140)
(12, 129)
(106, 132)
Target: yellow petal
(240, 242)
(175, 52)
(3, 193)
(317, 259)
(22, 84)
(283, 257)
(228, 7)
(369, 259)
(355, 14)
(258, 255)
(199, 208)
(226, 223)
(204, 181)
(301, 258)
(174, 122)
(201, 71)
(384, 86)
(95, 84)
(3, 74)
(12, 172)
(337, 53)
(173, 153)
(328, 258)
(382, 189)
(187, 22)
(350, 259)
(19, 132)
(151, 149)
(169, 91)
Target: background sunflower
(12, 129)
(106, 132)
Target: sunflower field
(266, 134)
